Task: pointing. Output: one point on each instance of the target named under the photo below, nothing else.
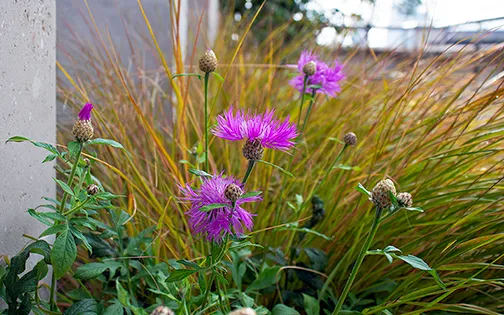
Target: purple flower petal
(85, 112)
(327, 77)
(272, 133)
(216, 223)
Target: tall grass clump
(429, 124)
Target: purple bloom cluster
(327, 77)
(85, 112)
(271, 133)
(216, 223)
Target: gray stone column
(28, 108)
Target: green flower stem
(76, 208)
(207, 77)
(310, 106)
(302, 99)
(52, 301)
(358, 263)
(250, 166)
(207, 291)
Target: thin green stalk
(207, 77)
(207, 290)
(358, 263)
(310, 106)
(249, 171)
(52, 302)
(302, 99)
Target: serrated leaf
(90, 271)
(63, 254)
(109, 142)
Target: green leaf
(199, 173)
(189, 264)
(218, 76)
(281, 309)
(50, 158)
(109, 142)
(415, 262)
(84, 307)
(17, 139)
(214, 206)
(180, 274)
(293, 227)
(55, 229)
(277, 167)
(221, 278)
(363, 190)
(391, 248)
(311, 305)
(250, 194)
(42, 270)
(107, 196)
(188, 75)
(266, 278)
(437, 278)
(73, 148)
(65, 187)
(90, 271)
(27, 283)
(114, 309)
(122, 294)
(63, 254)
(414, 209)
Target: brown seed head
(350, 138)
(310, 68)
(92, 189)
(83, 130)
(381, 193)
(253, 150)
(208, 62)
(233, 192)
(405, 200)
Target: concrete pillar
(28, 108)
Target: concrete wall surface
(28, 108)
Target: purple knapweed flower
(326, 77)
(260, 130)
(216, 223)
(85, 112)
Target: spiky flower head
(405, 199)
(208, 62)
(92, 189)
(162, 310)
(327, 77)
(350, 138)
(310, 68)
(260, 130)
(243, 311)
(83, 129)
(216, 223)
(233, 192)
(381, 193)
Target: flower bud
(92, 189)
(233, 192)
(162, 310)
(381, 193)
(310, 68)
(83, 130)
(253, 150)
(208, 62)
(350, 138)
(243, 311)
(87, 162)
(405, 200)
